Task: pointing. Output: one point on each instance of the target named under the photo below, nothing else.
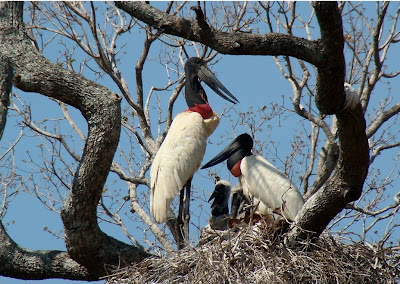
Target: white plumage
(178, 158)
(266, 183)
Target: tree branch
(234, 43)
(379, 121)
(22, 263)
(330, 97)
(346, 184)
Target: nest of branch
(257, 255)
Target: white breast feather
(266, 183)
(176, 161)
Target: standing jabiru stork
(182, 151)
(259, 178)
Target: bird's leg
(186, 215)
(180, 223)
(183, 215)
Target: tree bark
(345, 185)
(329, 96)
(21, 263)
(5, 91)
(86, 243)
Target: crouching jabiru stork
(259, 178)
(182, 151)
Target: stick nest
(257, 255)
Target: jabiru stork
(259, 178)
(182, 151)
(219, 208)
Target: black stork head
(196, 70)
(234, 152)
(220, 195)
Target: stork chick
(219, 208)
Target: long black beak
(233, 147)
(209, 78)
(213, 195)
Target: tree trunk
(86, 243)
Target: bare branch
(147, 220)
(223, 42)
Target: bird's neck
(196, 98)
(203, 109)
(234, 161)
(236, 171)
(211, 123)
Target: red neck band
(204, 110)
(235, 171)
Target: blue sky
(254, 80)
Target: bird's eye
(198, 61)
